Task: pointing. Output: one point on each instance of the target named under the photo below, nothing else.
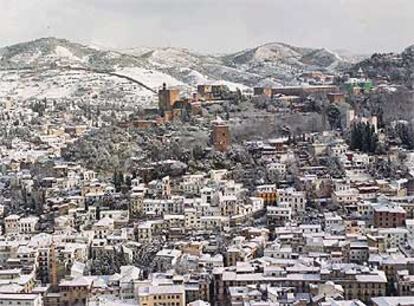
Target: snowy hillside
(272, 52)
(281, 63)
(51, 67)
(70, 84)
(46, 52)
(152, 78)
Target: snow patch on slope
(65, 53)
(193, 77)
(170, 57)
(26, 57)
(151, 78)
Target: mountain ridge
(395, 67)
(271, 64)
(258, 63)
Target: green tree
(334, 116)
(364, 138)
(118, 180)
(406, 134)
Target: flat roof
(393, 300)
(18, 296)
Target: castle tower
(374, 122)
(167, 98)
(361, 73)
(350, 117)
(221, 135)
(53, 266)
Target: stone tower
(221, 135)
(350, 117)
(167, 98)
(53, 267)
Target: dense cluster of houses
(329, 229)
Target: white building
(11, 224)
(393, 237)
(27, 225)
(278, 215)
(21, 299)
(333, 223)
(296, 200)
(277, 168)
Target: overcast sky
(213, 25)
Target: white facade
(296, 200)
(21, 300)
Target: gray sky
(213, 25)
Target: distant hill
(396, 67)
(270, 64)
(45, 52)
